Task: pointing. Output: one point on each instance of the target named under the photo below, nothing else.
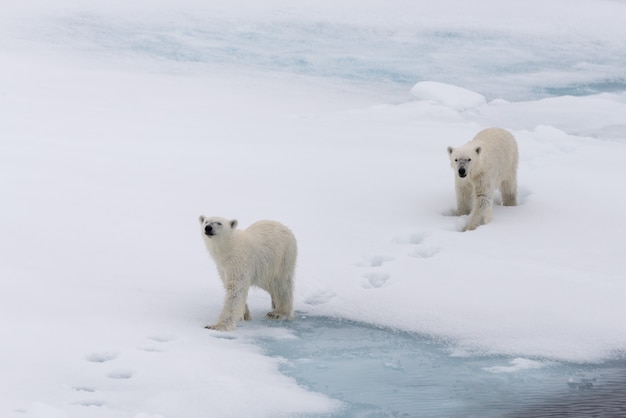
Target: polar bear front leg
(235, 306)
(481, 214)
(464, 196)
(483, 207)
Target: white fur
(262, 255)
(490, 162)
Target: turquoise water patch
(379, 372)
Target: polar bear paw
(220, 327)
(277, 315)
(470, 227)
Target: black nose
(208, 229)
(462, 172)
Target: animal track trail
(411, 239)
(110, 371)
(86, 389)
(120, 374)
(374, 260)
(91, 404)
(101, 357)
(162, 338)
(425, 252)
(107, 357)
(419, 248)
(157, 343)
(319, 298)
(374, 280)
(90, 395)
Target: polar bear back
(271, 251)
(498, 149)
(265, 251)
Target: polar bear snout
(462, 172)
(208, 230)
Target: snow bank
(454, 97)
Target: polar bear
(486, 163)
(262, 255)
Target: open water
(379, 372)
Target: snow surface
(120, 124)
(447, 95)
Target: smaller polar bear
(486, 163)
(262, 255)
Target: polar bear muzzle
(209, 231)
(461, 167)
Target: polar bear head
(463, 158)
(216, 226)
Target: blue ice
(494, 63)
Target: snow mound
(448, 95)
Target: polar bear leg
(481, 214)
(282, 299)
(483, 206)
(235, 306)
(508, 188)
(464, 196)
(246, 314)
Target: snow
(120, 124)
(447, 95)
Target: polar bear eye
(218, 223)
(456, 160)
(469, 159)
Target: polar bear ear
(450, 149)
(478, 150)
(201, 219)
(233, 224)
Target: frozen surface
(501, 50)
(121, 123)
(447, 95)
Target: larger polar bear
(262, 255)
(486, 163)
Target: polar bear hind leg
(508, 188)
(282, 299)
